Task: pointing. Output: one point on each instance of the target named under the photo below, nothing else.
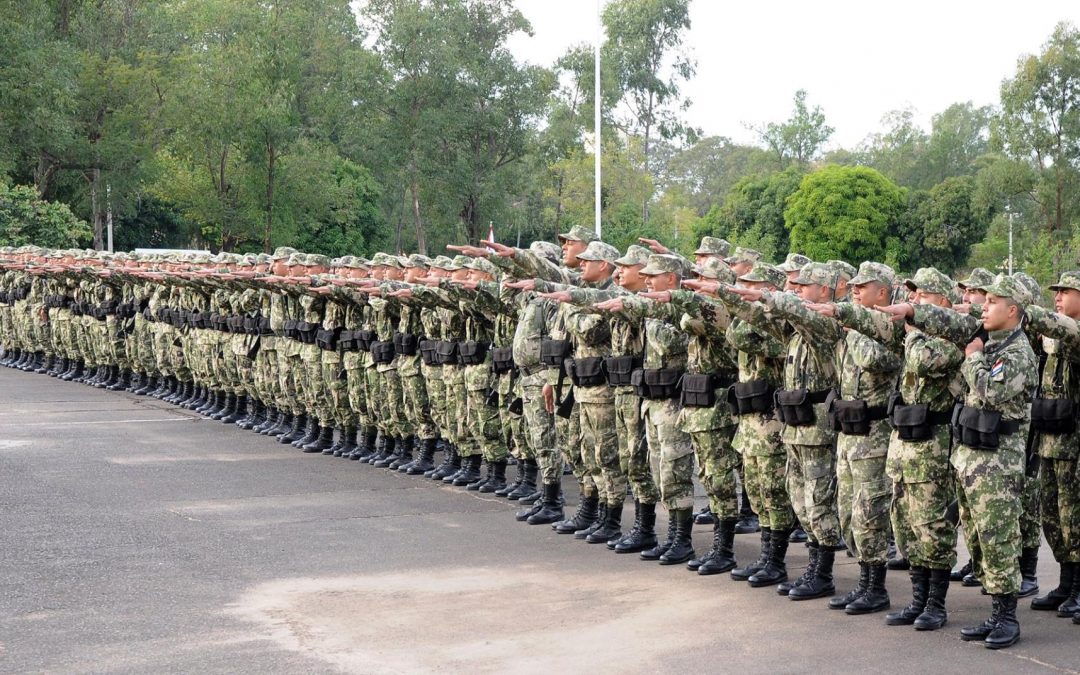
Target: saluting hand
(557, 296)
(654, 245)
(899, 312)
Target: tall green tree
(800, 138)
(752, 213)
(843, 212)
(644, 41)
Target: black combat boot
(214, 403)
(45, 366)
(661, 547)
(549, 509)
(610, 529)
(775, 570)
(385, 453)
(450, 464)
(722, 555)
(1029, 579)
(283, 426)
(1071, 604)
(842, 601)
(587, 513)
(601, 515)
(113, 379)
(643, 535)
(705, 516)
(682, 545)
(744, 573)
(981, 631)
(366, 446)
(959, 573)
(324, 438)
(348, 442)
(227, 409)
(239, 409)
(245, 412)
(119, 381)
(311, 432)
(876, 596)
(920, 591)
(813, 551)
(516, 483)
(299, 423)
(470, 471)
(59, 366)
(426, 461)
(934, 615)
(820, 584)
(1053, 599)
(258, 416)
(335, 448)
(496, 479)
(748, 520)
(404, 453)
(76, 372)
(1007, 628)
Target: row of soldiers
(851, 401)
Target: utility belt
(471, 352)
(915, 422)
(795, 407)
(406, 344)
(553, 353)
(428, 352)
(235, 323)
(751, 397)
(620, 369)
(1053, 415)
(383, 351)
(699, 389)
(586, 372)
(854, 417)
(327, 339)
(446, 353)
(502, 360)
(981, 429)
(656, 383)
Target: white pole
(1010, 243)
(596, 115)
(108, 212)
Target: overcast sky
(857, 60)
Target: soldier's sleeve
(998, 379)
(637, 308)
(712, 314)
(753, 313)
(821, 328)
(929, 355)
(1054, 325)
(946, 323)
(585, 297)
(544, 286)
(756, 341)
(527, 265)
(873, 324)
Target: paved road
(137, 538)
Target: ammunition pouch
(383, 352)
(981, 429)
(1053, 415)
(502, 360)
(795, 407)
(586, 372)
(471, 352)
(751, 397)
(620, 368)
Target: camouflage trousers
(483, 425)
(336, 411)
(510, 424)
(719, 464)
(568, 441)
(1030, 517)
(436, 397)
(600, 448)
(923, 489)
(456, 410)
(356, 387)
(863, 492)
(633, 449)
(989, 484)
(1060, 496)
(671, 454)
(417, 408)
(389, 395)
(811, 482)
(539, 429)
(765, 470)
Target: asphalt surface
(139, 538)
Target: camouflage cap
(442, 262)
(743, 255)
(715, 268)
(1031, 284)
(598, 250)
(763, 272)
(551, 252)
(819, 274)
(635, 255)
(843, 269)
(385, 260)
(284, 252)
(874, 271)
(1005, 286)
(460, 262)
(663, 263)
(714, 246)
(264, 259)
(295, 259)
(1067, 280)
(317, 259)
(483, 265)
(245, 262)
(931, 280)
(978, 279)
(578, 233)
(416, 260)
(794, 262)
(201, 259)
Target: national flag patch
(998, 368)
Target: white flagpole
(596, 115)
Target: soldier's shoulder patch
(997, 371)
